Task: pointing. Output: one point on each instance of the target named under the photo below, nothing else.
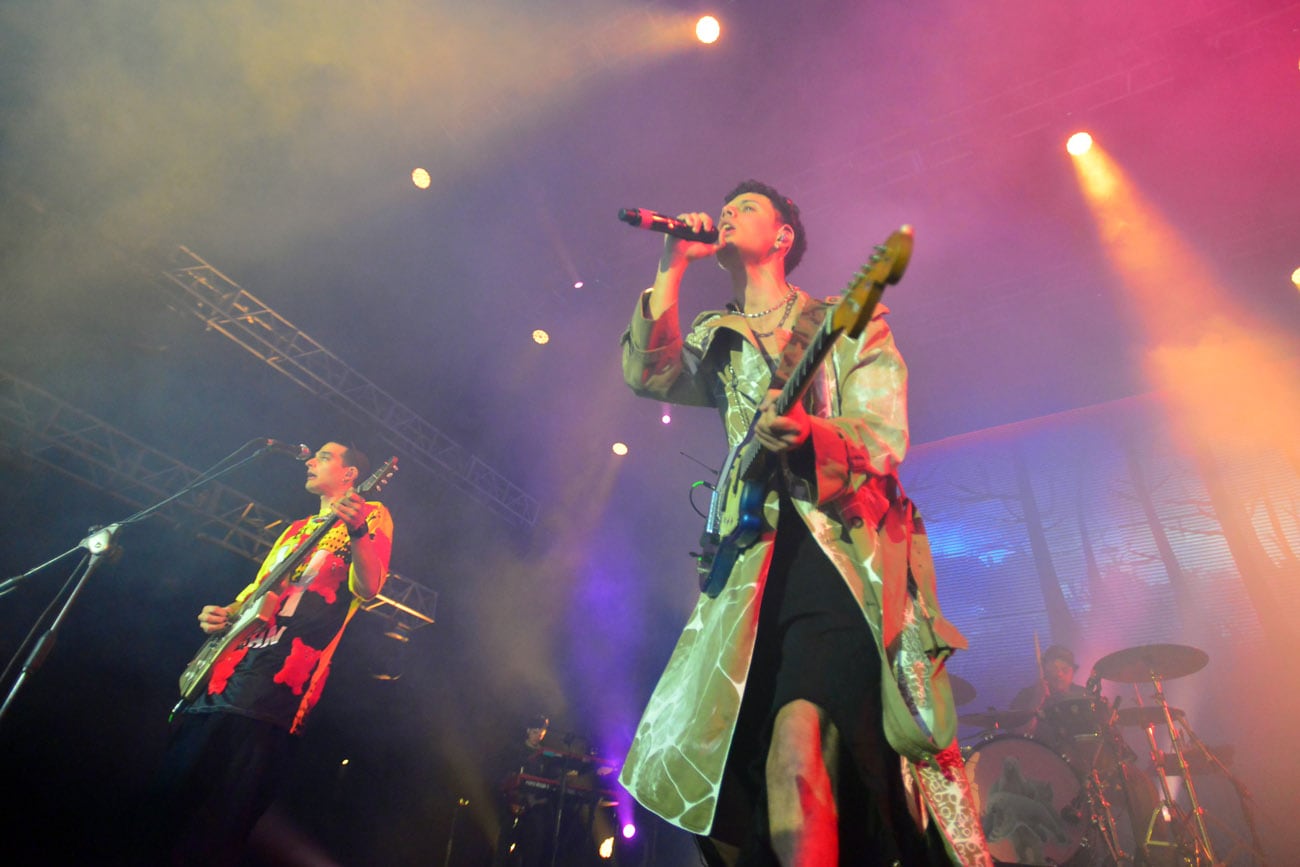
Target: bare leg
(801, 786)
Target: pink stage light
(629, 831)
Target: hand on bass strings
(214, 618)
(780, 433)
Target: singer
(822, 618)
(235, 742)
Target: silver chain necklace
(787, 300)
(789, 305)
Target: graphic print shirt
(275, 673)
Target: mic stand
(99, 545)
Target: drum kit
(1060, 785)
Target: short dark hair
(354, 457)
(789, 212)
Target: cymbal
(962, 691)
(997, 719)
(1140, 664)
(1141, 716)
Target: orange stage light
(1079, 144)
(707, 30)
(1229, 383)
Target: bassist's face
(326, 473)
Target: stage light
(629, 831)
(420, 178)
(666, 414)
(707, 30)
(619, 449)
(606, 850)
(1295, 278)
(1079, 144)
(666, 418)
(577, 285)
(541, 338)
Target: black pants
(814, 644)
(219, 774)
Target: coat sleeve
(658, 363)
(865, 438)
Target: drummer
(1056, 685)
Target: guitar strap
(805, 328)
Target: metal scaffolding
(227, 308)
(77, 444)
(42, 428)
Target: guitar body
(196, 674)
(740, 526)
(735, 519)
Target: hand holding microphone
(688, 227)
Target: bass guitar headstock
(379, 477)
(884, 268)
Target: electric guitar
(259, 606)
(735, 516)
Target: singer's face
(326, 473)
(749, 222)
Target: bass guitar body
(735, 519)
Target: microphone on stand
(299, 452)
(644, 219)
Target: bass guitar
(259, 606)
(735, 517)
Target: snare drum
(1033, 806)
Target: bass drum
(1033, 806)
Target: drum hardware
(994, 720)
(1144, 715)
(1205, 760)
(1157, 663)
(1104, 819)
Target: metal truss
(42, 428)
(229, 309)
(47, 430)
(404, 602)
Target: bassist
(233, 743)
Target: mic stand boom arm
(99, 545)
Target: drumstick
(1038, 657)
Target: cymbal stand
(1201, 838)
(1244, 798)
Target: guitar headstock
(379, 477)
(884, 268)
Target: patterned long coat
(855, 509)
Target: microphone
(299, 452)
(643, 219)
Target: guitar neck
(818, 348)
(290, 563)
